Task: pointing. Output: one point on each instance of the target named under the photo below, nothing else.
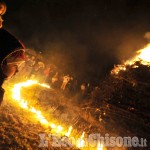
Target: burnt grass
(119, 106)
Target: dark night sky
(81, 36)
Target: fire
(99, 146)
(59, 129)
(53, 126)
(16, 95)
(81, 142)
(24, 104)
(69, 131)
(143, 56)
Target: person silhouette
(11, 53)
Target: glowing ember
(143, 56)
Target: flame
(53, 126)
(143, 56)
(24, 104)
(69, 131)
(16, 95)
(99, 146)
(81, 142)
(59, 129)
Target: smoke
(85, 38)
(147, 35)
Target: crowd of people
(36, 68)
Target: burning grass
(52, 120)
(120, 106)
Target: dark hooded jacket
(8, 45)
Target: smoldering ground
(84, 38)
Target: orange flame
(99, 146)
(143, 56)
(69, 131)
(16, 95)
(81, 142)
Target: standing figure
(11, 53)
(66, 79)
(83, 88)
(11, 57)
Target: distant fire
(55, 128)
(143, 56)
